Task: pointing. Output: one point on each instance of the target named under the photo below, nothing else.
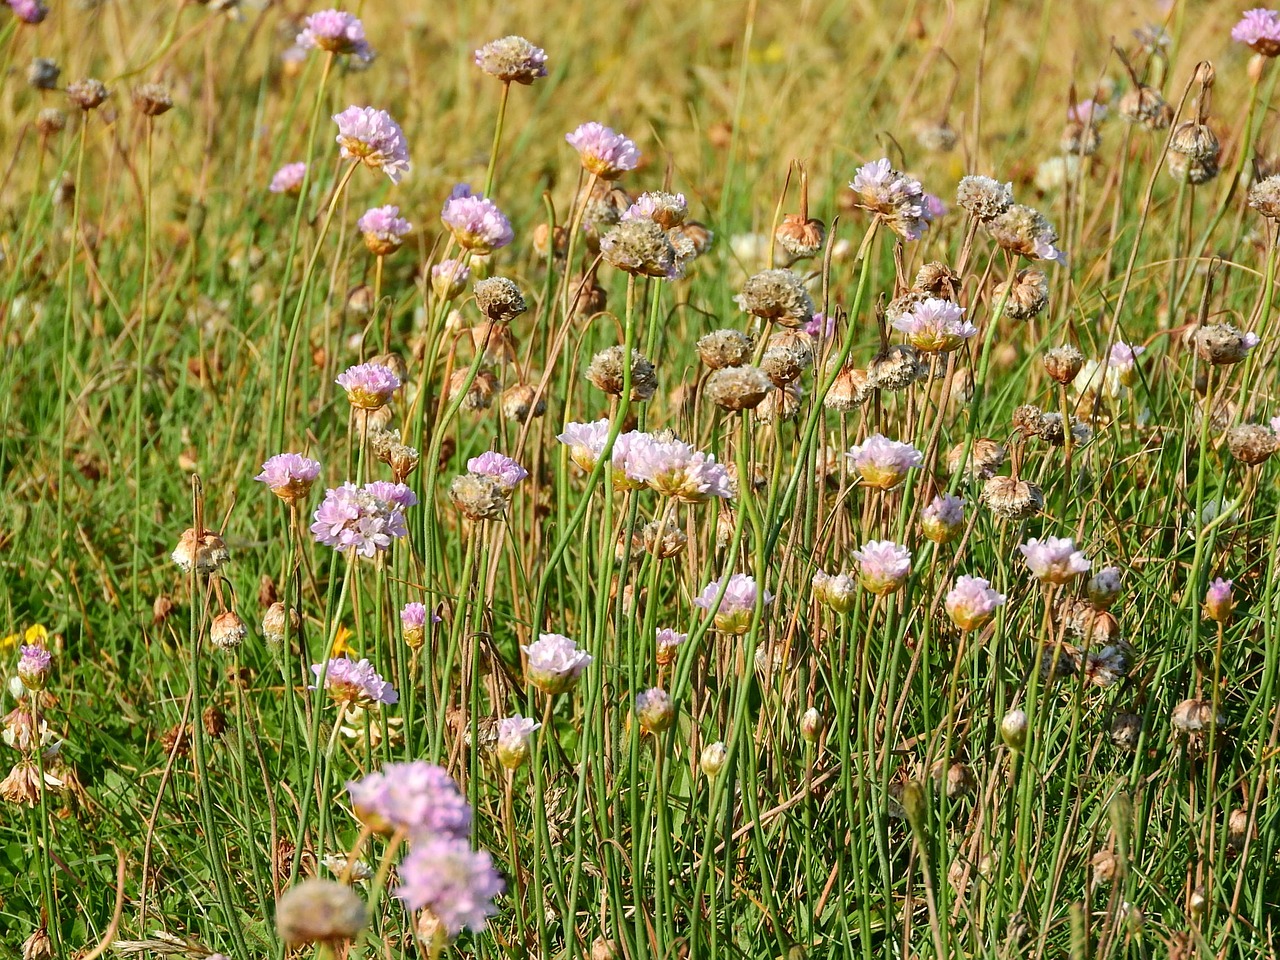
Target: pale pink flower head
(972, 603)
(935, 208)
(675, 469)
(475, 222)
(29, 11)
(336, 32)
(455, 883)
(883, 566)
(417, 797)
(585, 441)
(396, 494)
(414, 618)
(514, 735)
(1123, 360)
(384, 229)
(356, 519)
(288, 179)
(943, 519)
(604, 152)
(354, 683)
(512, 59)
(897, 199)
(654, 710)
(502, 469)
(289, 476)
(628, 450)
(821, 326)
(449, 278)
(1219, 600)
(736, 607)
(554, 662)
(370, 136)
(1054, 560)
(668, 642)
(1087, 113)
(835, 590)
(369, 386)
(34, 661)
(883, 463)
(667, 210)
(1275, 425)
(1259, 30)
(935, 326)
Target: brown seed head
(738, 388)
(724, 348)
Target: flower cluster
(554, 662)
(604, 152)
(735, 609)
(475, 222)
(898, 200)
(335, 32)
(363, 520)
(354, 682)
(371, 137)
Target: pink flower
(502, 469)
(935, 326)
(1122, 362)
(834, 590)
(604, 152)
(513, 740)
(667, 210)
(897, 199)
(1275, 425)
(354, 682)
(355, 519)
(942, 520)
(1219, 600)
(734, 612)
(457, 884)
(820, 326)
(289, 476)
(883, 463)
(883, 566)
(336, 32)
(417, 797)
(972, 603)
(383, 228)
(476, 223)
(586, 441)
(397, 494)
(1259, 30)
(371, 137)
(29, 11)
(675, 469)
(449, 278)
(33, 665)
(935, 208)
(1055, 560)
(288, 179)
(668, 641)
(368, 385)
(554, 662)
(1087, 112)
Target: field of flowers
(663, 480)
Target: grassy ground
(168, 324)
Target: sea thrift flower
(501, 468)
(1219, 601)
(413, 620)
(500, 300)
(883, 566)
(357, 519)
(319, 911)
(227, 631)
(1025, 231)
(455, 883)
(417, 797)
(820, 326)
(972, 603)
(935, 326)
(734, 612)
(29, 11)
(835, 590)
(87, 94)
(152, 99)
(654, 710)
(604, 152)
(640, 247)
(898, 200)
(554, 662)
(371, 137)
(1123, 360)
(512, 59)
(449, 278)
(478, 497)
(354, 683)
(514, 734)
(676, 469)
(983, 198)
(335, 32)
(585, 441)
(777, 295)
(943, 519)
(33, 665)
(369, 385)
(289, 476)
(668, 641)
(397, 494)
(1054, 560)
(1222, 344)
(205, 553)
(1259, 30)
(883, 463)
(667, 210)
(384, 230)
(475, 222)
(288, 179)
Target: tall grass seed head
(639, 247)
(554, 662)
(416, 797)
(354, 683)
(335, 31)
(289, 476)
(1252, 443)
(227, 631)
(1259, 30)
(87, 94)
(835, 590)
(724, 348)
(512, 59)
(319, 911)
(883, 566)
(1011, 498)
(943, 519)
(204, 554)
(1054, 559)
(275, 621)
(935, 326)
(605, 372)
(778, 295)
(883, 463)
(654, 710)
(369, 386)
(513, 743)
(152, 99)
(604, 152)
(369, 136)
(971, 602)
(455, 883)
(734, 612)
(983, 198)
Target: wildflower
(227, 631)
(943, 519)
(33, 665)
(335, 32)
(668, 641)
(605, 371)
(733, 613)
(1023, 230)
(384, 230)
(640, 247)
(1104, 587)
(275, 619)
(368, 385)
(1264, 196)
(983, 198)
(43, 74)
(675, 469)
(152, 99)
(1259, 30)
(605, 153)
(1222, 344)
(777, 295)
(724, 348)
(820, 327)
(850, 389)
(1087, 112)
(896, 368)
(29, 11)
(883, 463)
(1063, 363)
(358, 519)
(1013, 729)
(512, 59)
(416, 797)
(1054, 560)
(354, 683)
(738, 388)
(455, 883)
(971, 603)
(654, 710)
(713, 758)
(883, 566)
(586, 441)
(499, 299)
(478, 497)
(935, 326)
(554, 662)
(87, 94)
(514, 734)
(667, 210)
(319, 911)
(1252, 443)
(413, 620)
(289, 476)
(204, 553)
(1219, 601)
(834, 590)
(288, 179)
(501, 468)
(898, 200)
(475, 222)
(371, 137)
(1123, 361)
(1195, 716)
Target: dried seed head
(87, 94)
(800, 237)
(780, 405)
(400, 457)
(499, 299)
(937, 137)
(319, 911)
(1025, 296)
(1238, 830)
(478, 497)
(639, 247)
(1081, 620)
(42, 74)
(205, 553)
(1012, 499)
(787, 356)
(1024, 230)
(692, 236)
(1195, 141)
(606, 372)
(1252, 443)
(1063, 363)
(1222, 344)
(936, 279)
(1081, 139)
(512, 60)
(521, 401)
(481, 393)
(152, 99)
(1264, 196)
(851, 389)
(724, 348)
(900, 307)
(50, 121)
(897, 368)
(777, 295)
(227, 631)
(1195, 716)
(38, 946)
(738, 388)
(1026, 419)
(671, 544)
(983, 198)
(1191, 170)
(275, 619)
(1126, 728)
(985, 458)
(1143, 105)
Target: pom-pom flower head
(935, 326)
(677, 470)
(604, 152)
(384, 230)
(1054, 560)
(362, 520)
(898, 200)
(883, 566)
(1259, 30)
(354, 683)
(34, 661)
(336, 32)
(943, 519)
(883, 463)
(512, 59)
(456, 884)
(972, 603)
(1219, 601)
(288, 179)
(502, 469)
(514, 735)
(475, 222)
(668, 642)
(371, 137)
(733, 613)
(554, 662)
(416, 797)
(29, 11)
(368, 385)
(289, 476)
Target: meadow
(653, 480)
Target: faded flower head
(475, 222)
(384, 229)
(479, 497)
(1063, 363)
(456, 884)
(1104, 587)
(1222, 344)
(883, 566)
(898, 200)
(363, 520)
(935, 326)
(1264, 196)
(500, 468)
(943, 519)
(1024, 230)
(87, 94)
(227, 631)
(835, 590)
(289, 476)
(606, 372)
(1252, 443)
(554, 662)
(733, 613)
(288, 179)
(1145, 106)
(354, 682)
(983, 198)
(724, 348)
(1054, 560)
(319, 911)
(204, 553)
(152, 99)
(368, 385)
(1024, 296)
(512, 59)
(335, 31)
(1259, 29)
(972, 603)
(738, 388)
(777, 295)
(1011, 498)
(604, 152)
(668, 642)
(640, 246)
(883, 463)
(417, 797)
(371, 137)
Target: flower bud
(655, 710)
(713, 758)
(1013, 729)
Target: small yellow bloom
(9, 643)
(340, 646)
(36, 633)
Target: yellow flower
(340, 646)
(9, 643)
(36, 633)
